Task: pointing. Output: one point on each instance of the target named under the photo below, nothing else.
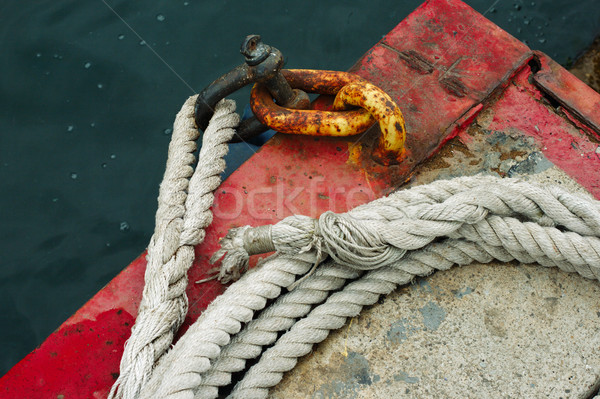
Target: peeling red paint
(79, 360)
(522, 108)
(577, 98)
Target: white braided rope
(183, 213)
(339, 306)
(281, 315)
(394, 237)
(314, 328)
(419, 216)
(263, 330)
(488, 235)
(381, 232)
(180, 370)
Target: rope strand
(183, 213)
(373, 248)
(365, 291)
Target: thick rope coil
(506, 237)
(396, 238)
(379, 233)
(426, 204)
(437, 256)
(263, 331)
(183, 213)
(179, 371)
(314, 328)
(284, 312)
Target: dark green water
(86, 106)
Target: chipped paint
(479, 149)
(433, 315)
(535, 163)
(353, 374)
(400, 331)
(460, 294)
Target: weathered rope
(412, 232)
(263, 330)
(183, 213)
(379, 235)
(314, 328)
(180, 370)
(494, 237)
(513, 214)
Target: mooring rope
(278, 317)
(341, 305)
(522, 217)
(180, 370)
(376, 246)
(493, 237)
(184, 202)
(509, 219)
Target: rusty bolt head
(254, 50)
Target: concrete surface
(481, 331)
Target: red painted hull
(443, 65)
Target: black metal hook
(263, 65)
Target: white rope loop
(378, 234)
(331, 315)
(180, 371)
(184, 201)
(475, 234)
(409, 233)
(263, 330)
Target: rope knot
(357, 243)
(237, 247)
(293, 235)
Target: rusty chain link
(279, 101)
(351, 91)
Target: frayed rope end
(236, 248)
